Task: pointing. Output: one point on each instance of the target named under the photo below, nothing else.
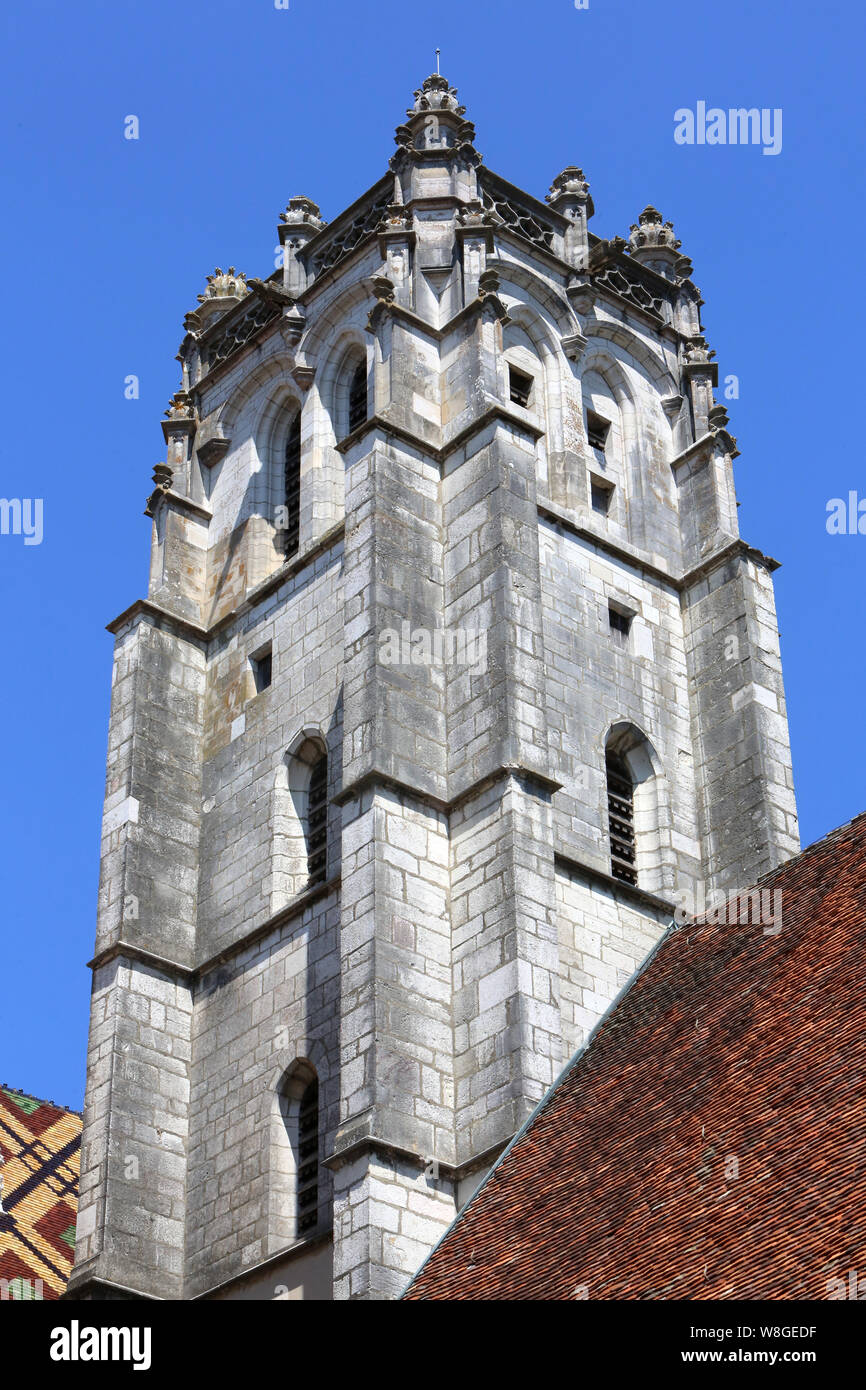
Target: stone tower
(453, 678)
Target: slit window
(262, 670)
(597, 430)
(620, 811)
(519, 387)
(308, 1159)
(292, 487)
(619, 621)
(317, 823)
(358, 397)
(601, 495)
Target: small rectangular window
(597, 429)
(620, 621)
(601, 495)
(520, 387)
(262, 670)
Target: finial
(438, 74)
(655, 243)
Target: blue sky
(107, 242)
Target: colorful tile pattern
(710, 1143)
(40, 1146)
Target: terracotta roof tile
(710, 1142)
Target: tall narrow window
(308, 1159)
(358, 397)
(293, 486)
(620, 807)
(317, 822)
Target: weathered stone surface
(541, 450)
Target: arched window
(317, 822)
(292, 486)
(620, 811)
(308, 1158)
(358, 397)
(639, 817)
(295, 1193)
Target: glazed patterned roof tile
(40, 1145)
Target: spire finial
(438, 74)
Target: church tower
(453, 680)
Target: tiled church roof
(734, 1052)
(40, 1146)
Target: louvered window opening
(308, 1159)
(293, 487)
(620, 807)
(317, 823)
(358, 397)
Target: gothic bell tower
(453, 679)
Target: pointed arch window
(292, 485)
(317, 822)
(620, 809)
(358, 396)
(308, 1158)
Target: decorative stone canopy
(655, 243)
(224, 284)
(301, 211)
(436, 94)
(568, 188)
(436, 120)
(180, 407)
(650, 230)
(225, 288)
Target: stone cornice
(163, 617)
(356, 1144)
(443, 804)
(191, 974)
(253, 597)
(680, 583)
(179, 503)
(616, 885)
(123, 950)
(321, 1236)
(617, 549)
(496, 411)
(286, 917)
(160, 617)
(734, 549)
(81, 1278)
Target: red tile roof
(710, 1142)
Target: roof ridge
(16, 1091)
